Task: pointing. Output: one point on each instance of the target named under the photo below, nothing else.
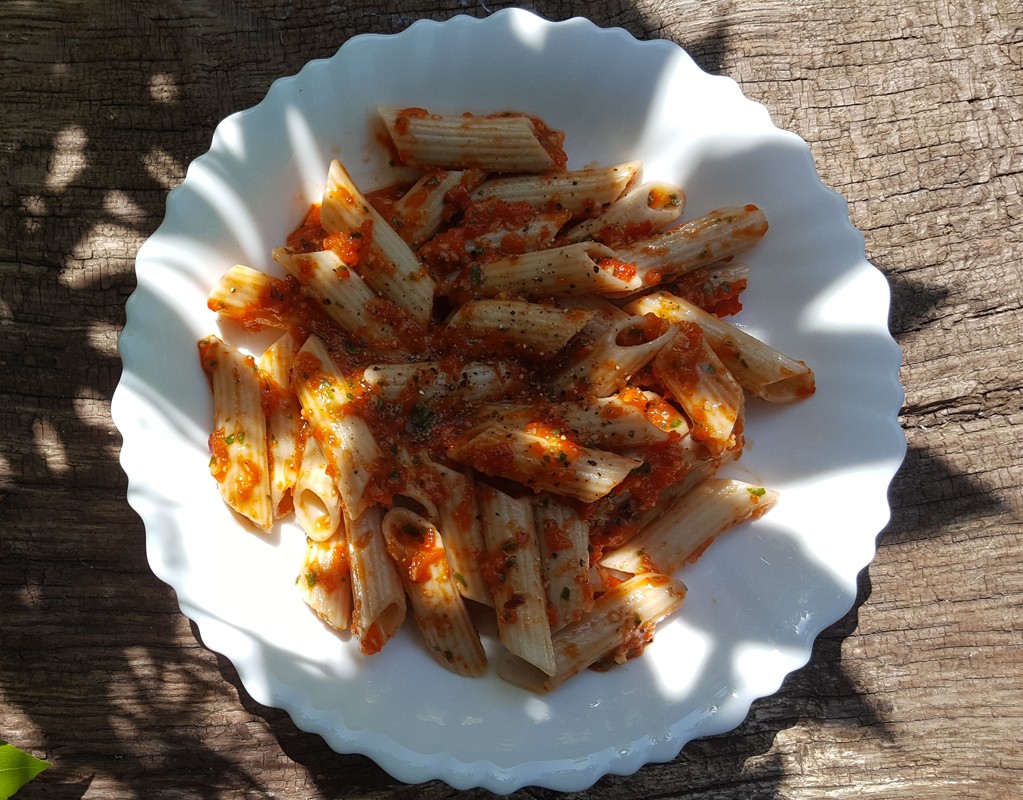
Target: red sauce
(247, 478)
(557, 539)
(307, 237)
(659, 199)
(384, 200)
(401, 122)
(494, 569)
(220, 459)
(372, 640)
(419, 554)
(720, 298)
(622, 270)
(508, 608)
(330, 575)
(349, 246)
(614, 519)
(552, 141)
(273, 396)
(685, 351)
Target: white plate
(757, 598)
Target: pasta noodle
(324, 581)
(501, 391)
(238, 447)
(416, 546)
(286, 435)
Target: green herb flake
(566, 593)
(756, 491)
(310, 579)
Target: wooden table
(912, 111)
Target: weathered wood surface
(912, 110)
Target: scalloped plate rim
(406, 764)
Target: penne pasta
(513, 572)
(518, 325)
(564, 539)
(669, 472)
(476, 382)
(583, 268)
(684, 530)
(758, 367)
(324, 582)
(416, 480)
(611, 361)
(642, 211)
(604, 313)
(715, 288)
(720, 234)
(703, 388)
(612, 423)
(421, 211)
(579, 192)
(345, 296)
(495, 143)
(378, 599)
(417, 547)
(347, 442)
(380, 255)
(543, 460)
(511, 235)
(285, 430)
(459, 522)
(245, 295)
(238, 451)
(317, 500)
(618, 627)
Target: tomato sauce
(552, 141)
(330, 575)
(720, 298)
(622, 270)
(419, 553)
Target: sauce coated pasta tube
(238, 449)
(417, 547)
(496, 143)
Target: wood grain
(912, 111)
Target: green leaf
(16, 769)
